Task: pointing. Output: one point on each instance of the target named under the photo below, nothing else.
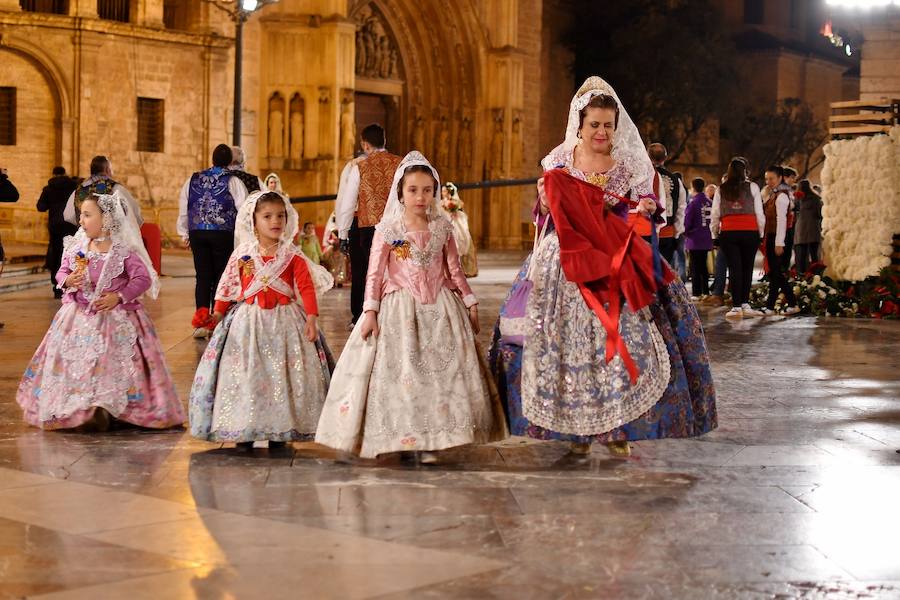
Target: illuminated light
(250, 5)
(848, 50)
(865, 4)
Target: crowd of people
(597, 342)
(736, 221)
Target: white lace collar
(395, 233)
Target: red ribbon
(610, 320)
(590, 226)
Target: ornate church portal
(445, 78)
(435, 75)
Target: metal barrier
(475, 185)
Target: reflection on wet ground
(794, 496)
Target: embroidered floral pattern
(395, 235)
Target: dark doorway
(377, 108)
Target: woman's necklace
(266, 250)
(598, 178)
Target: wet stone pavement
(795, 495)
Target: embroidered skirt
(686, 407)
(89, 360)
(422, 384)
(260, 378)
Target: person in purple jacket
(698, 239)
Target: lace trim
(93, 365)
(113, 266)
(571, 406)
(395, 233)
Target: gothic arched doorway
(418, 68)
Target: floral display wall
(861, 213)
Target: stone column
(148, 13)
(505, 86)
(83, 8)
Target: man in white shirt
(207, 209)
(100, 182)
(777, 209)
(362, 195)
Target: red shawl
(602, 254)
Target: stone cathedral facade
(476, 85)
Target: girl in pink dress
(411, 377)
(101, 358)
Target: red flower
(890, 308)
(799, 195)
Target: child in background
(267, 368)
(411, 378)
(453, 210)
(101, 359)
(309, 243)
(337, 263)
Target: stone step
(24, 258)
(14, 269)
(23, 281)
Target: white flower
(822, 294)
(861, 204)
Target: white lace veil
(121, 226)
(393, 210)
(266, 273)
(628, 147)
(277, 179)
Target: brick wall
(99, 73)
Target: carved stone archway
(430, 57)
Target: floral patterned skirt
(260, 378)
(422, 384)
(686, 408)
(89, 360)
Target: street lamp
(239, 11)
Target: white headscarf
(121, 226)
(392, 227)
(266, 273)
(628, 147)
(393, 210)
(277, 179)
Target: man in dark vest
(360, 204)
(53, 201)
(666, 185)
(100, 182)
(207, 209)
(237, 166)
